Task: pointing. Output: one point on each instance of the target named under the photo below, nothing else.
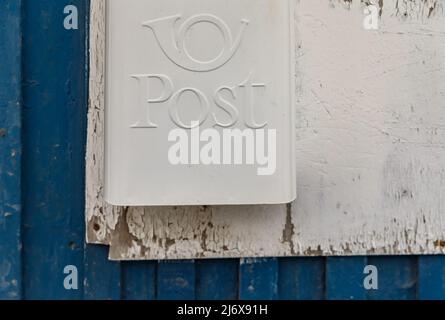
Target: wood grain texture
(301, 278)
(54, 135)
(10, 150)
(370, 149)
(102, 218)
(217, 279)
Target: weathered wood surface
(10, 150)
(370, 148)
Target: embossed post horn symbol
(172, 40)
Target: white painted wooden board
(370, 148)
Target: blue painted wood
(176, 280)
(217, 279)
(10, 149)
(397, 278)
(139, 280)
(102, 277)
(301, 278)
(259, 279)
(431, 278)
(344, 278)
(54, 134)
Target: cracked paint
(370, 151)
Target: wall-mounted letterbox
(199, 102)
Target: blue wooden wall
(43, 110)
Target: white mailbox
(200, 106)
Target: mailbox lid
(211, 70)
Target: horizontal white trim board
(370, 148)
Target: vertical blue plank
(344, 278)
(10, 149)
(301, 278)
(259, 279)
(176, 280)
(431, 278)
(102, 277)
(397, 278)
(54, 127)
(139, 280)
(217, 279)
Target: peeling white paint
(370, 148)
(101, 218)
